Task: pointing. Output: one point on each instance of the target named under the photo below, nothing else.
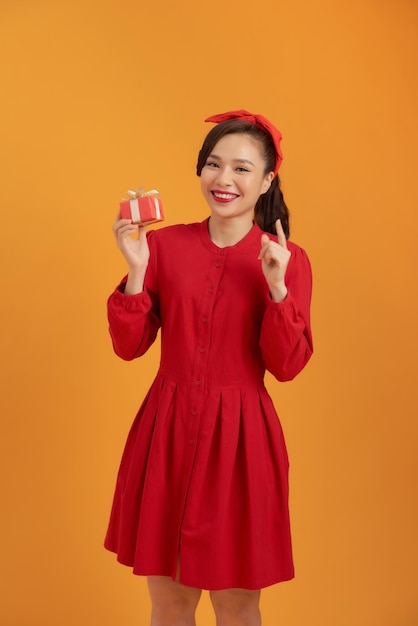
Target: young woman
(201, 500)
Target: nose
(224, 176)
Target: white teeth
(225, 196)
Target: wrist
(135, 282)
(278, 293)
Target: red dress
(204, 475)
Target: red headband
(258, 120)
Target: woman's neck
(228, 232)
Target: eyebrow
(215, 156)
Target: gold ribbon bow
(140, 193)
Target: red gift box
(142, 209)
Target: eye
(242, 169)
(212, 164)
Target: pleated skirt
(207, 489)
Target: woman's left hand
(274, 260)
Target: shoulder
(296, 250)
(299, 264)
(173, 240)
(172, 233)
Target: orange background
(100, 96)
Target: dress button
(197, 382)
(217, 265)
(210, 290)
(191, 442)
(202, 350)
(204, 320)
(194, 411)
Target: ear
(267, 182)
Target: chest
(227, 284)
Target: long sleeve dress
(203, 480)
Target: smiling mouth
(222, 196)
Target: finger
(119, 223)
(265, 240)
(280, 234)
(267, 253)
(268, 258)
(122, 229)
(142, 233)
(124, 237)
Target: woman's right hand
(136, 252)
(134, 249)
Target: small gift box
(142, 208)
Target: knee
(172, 607)
(236, 606)
(171, 603)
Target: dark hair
(271, 205)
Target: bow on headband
(258, 120)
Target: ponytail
(271, 207)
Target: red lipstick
(224, 196)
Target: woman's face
(233, 177)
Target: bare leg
(173, 604)
(236, 607)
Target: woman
(201, 500)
